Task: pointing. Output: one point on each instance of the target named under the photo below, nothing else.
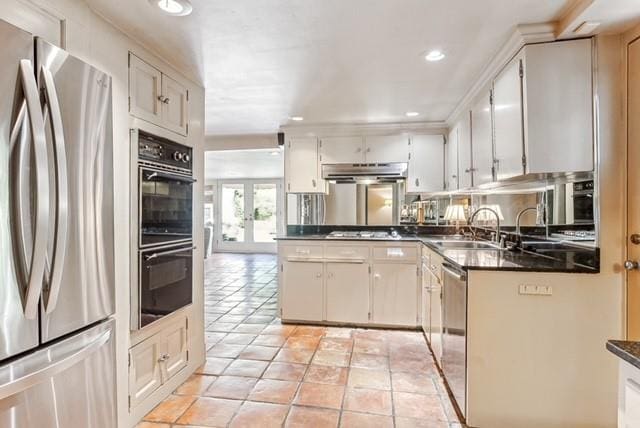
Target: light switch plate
(536, 290)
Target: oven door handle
(163, 253)
(155, 174)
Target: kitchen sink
(467, 245)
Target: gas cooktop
(363, 234)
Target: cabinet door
(426, 164)
(145, 89)
(426, 302)
(176, 345)
(452, 160)
(302, 291)
(175, 105)
(482, 140)
(386, 149)
(145, 374)
(465, 168)
(395, 294)
(507, 113)
(347, 292)
(436, 331)
(302, 166)
(341, 150)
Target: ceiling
(226, 164)
(330, 61)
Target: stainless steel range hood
(364, 172)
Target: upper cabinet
(451, 156)
(156, 97)
(302, 166)
(387, 149)
(342, 150)
(543, 110)
(465, 168)
(426, 164)
(482, 139)
(507, 116)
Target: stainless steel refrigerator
(57, 361)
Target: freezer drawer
(66, 385)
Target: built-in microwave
(583, 202)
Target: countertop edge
(579, 269)
(614, 347)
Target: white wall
(97, 42)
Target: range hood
(365, 172)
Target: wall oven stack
(165, 229)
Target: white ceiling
(243, 164)
(331, 61)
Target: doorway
(249, 213)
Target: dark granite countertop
(628, 351)
(563, 261)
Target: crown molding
(522, 35)
(343, 129)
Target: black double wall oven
(165, 229)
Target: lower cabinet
(347, 292)
(157, 359)
(394, 294)
(302, 290)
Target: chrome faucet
(522, 211)
(475, 213)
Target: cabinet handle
(359, 149)
(368, 149)
(417, 182)
(167, 100)
(161, 98)
(163, 358)
(318, 275)
(313, 182)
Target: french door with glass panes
(249, 215)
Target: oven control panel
(165, 152)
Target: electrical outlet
(536, 290)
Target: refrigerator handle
(33, 274)
(56, 263)
(43, 373)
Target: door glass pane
(264, 212)
(232, 220)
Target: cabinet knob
(166, 100)
(318, 275)
(313, 182)
(631, 265)
(417, 182)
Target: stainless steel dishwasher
(454, 317)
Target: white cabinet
(175, 105)
(347, 292)
(543, 110)
(145, 90)
(156, 97)
(426, 164)
(451, 157)
(301, 289)
(157, 359)
(394, 294)
(558, 107)
(482, 139)
(465, 169)
(341, 150)
(387, 149)
(332, 281)
(507, 106)
(302, 167)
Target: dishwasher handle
(450, 270)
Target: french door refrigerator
(57, 362)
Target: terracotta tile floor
(261, 373)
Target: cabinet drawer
(302, 252)
(340, 252)
(399, 253)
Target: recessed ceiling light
(173, 7)
(412, 114)
(434, 56)
(297, 118)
